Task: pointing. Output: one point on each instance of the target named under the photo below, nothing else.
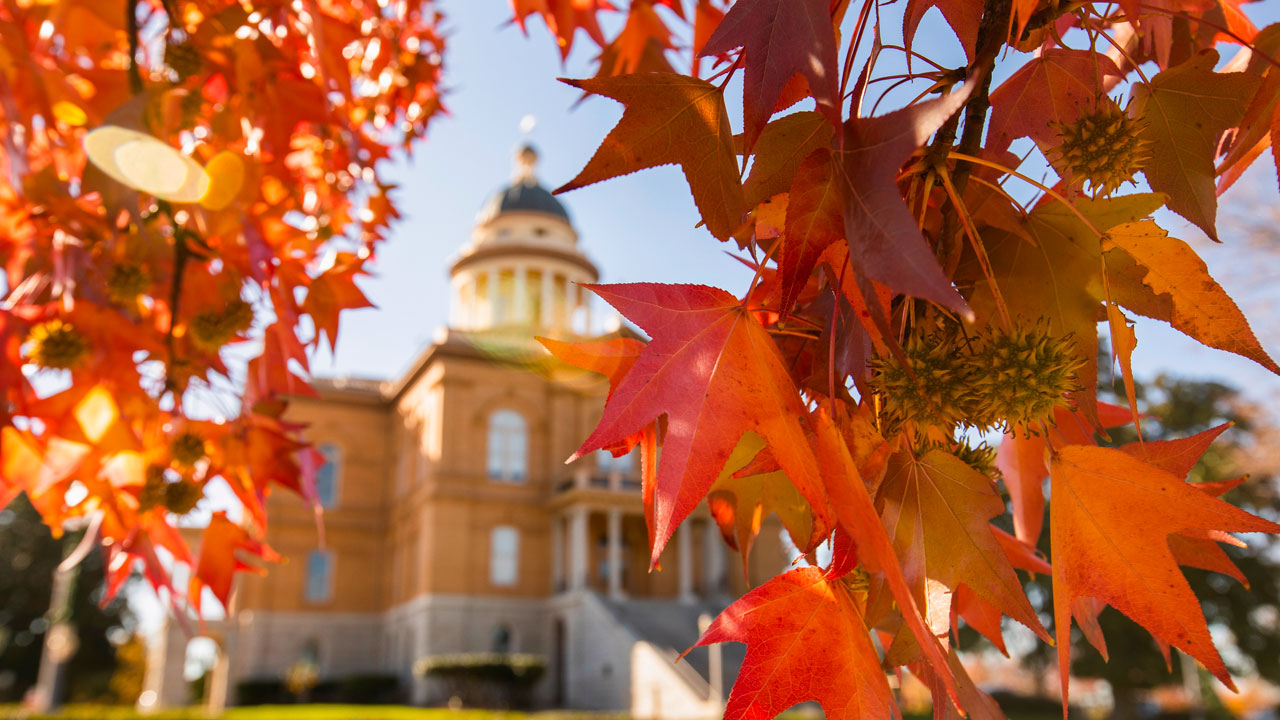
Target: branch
(131, 23)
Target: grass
(295, 712)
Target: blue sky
(637, 228)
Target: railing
(588, 478)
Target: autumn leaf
(780, 38)
(742, 497)
(1186, 108)
(563, 18)
(814, 220)
(219, 561)
(670, 119)
(715, 373)
(806, 640)
(856, 514)
(1023, 464)
(1123, 343)
(1179, 290)
(333, 291)
(784, 144)
(937, 511)
(963, 16)
(612, 358)
(1102, 550)
(885, 240)
(1058, 86)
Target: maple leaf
(885, 241)
(220, 544)
(783, 146)
(806, 640)
(670, 119)
(1058, 86)
(1102, 550)
(563, 18)
(779, 39)
(1186, 108)
(937, 511)
(744, 495)
(814, 221)
(1176, 287)
(333, 291)
(715, 373)
(852, 506)
(963, 16)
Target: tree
(28, 557)
(913, 282)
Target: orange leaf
(220, 545)
(806, 640)
(671, 119)
(1103, 550)
(937, 511)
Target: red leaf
(806, 640)
(780, 38)
(715, 373)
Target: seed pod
(1022, 375)
(181, 497)
(126, 282)
(939, 394)
(56, 345)
(1103, 148)
(187, 449)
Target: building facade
(453, 525)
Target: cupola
(522, 266)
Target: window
(504, 555)
(508, 446)
(502, 639)
(319, 583)
(607, 463)
(327, 475)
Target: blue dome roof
(524, 195)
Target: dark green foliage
(28, 557)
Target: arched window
(319, 583)
(508, 450)
(504, 555)
(327, 475)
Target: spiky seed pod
(126, 282)
(56, 345)
(187, 448)
(183, 59)
(1103, 147)
(1021, 375)
(154, 492)
(182, 497)
(938, 395)
(211, 330)
(980, 457)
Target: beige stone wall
(416, 508)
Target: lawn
(294, 712)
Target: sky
(639, 228)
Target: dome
(524, 194)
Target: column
(495, 298)
(548, 298)
(586, 304)
(615, 553)
(522, 294)
(578, 548)
(557, 554)
(469, 309)
(713, 559)
(684, 563)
